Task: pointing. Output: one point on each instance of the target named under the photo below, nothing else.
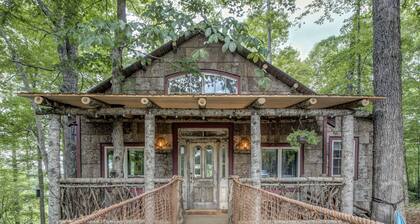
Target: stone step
(205, 212)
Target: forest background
(42, 40)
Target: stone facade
(152, 80)
(97, 134)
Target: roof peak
(242, 51)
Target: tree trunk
(41, 188)
(358, 55)
(67, 52)
(54, 169)
(117, 77)
(256, 150)
(15, 174)
(348, 163)
(388, 181)
(118, 143)
(149, 151)
(269, 30)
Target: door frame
(177, 126)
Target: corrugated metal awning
(88, 101)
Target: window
(197, 161)
(336, 156)
(207, 83)
(289, 163)
(182, 160)
(209, 161)
(133, 161)
(283, 160)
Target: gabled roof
(169, 46)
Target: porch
(207, 160)
(247, 204)
(83, 196)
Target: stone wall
(152, 79)
(95, 135)
(273, 134)
(273, 131)
(363, 130)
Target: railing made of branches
(83, 196)
(163, 205)
(320, 191)
(250, 204)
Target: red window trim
(223, 73)
(302, 154)
(356, 151)
(102, 152)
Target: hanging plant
(298, 137)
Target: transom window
(206, 83)
(133, 161)
(283, 161)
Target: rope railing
(163, 205)
(249, 204)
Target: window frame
(210, 71)
(279, 159)
(333, 139)
(126, 149)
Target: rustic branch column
(256, 150)
(54, 169)
(149, 151)
(118, 146)
(347, 167)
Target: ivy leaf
(259, 73)
(208, 32)
(225, 47)
(232, 46)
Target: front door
(203, 186)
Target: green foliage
(264, 81)
(310, 137)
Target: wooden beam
(305, 104)
(353, 104)
(88, 101)
(120, 111)
(42, 101)
(202, 102)
(258, 103)
(147, 103)
(294, 88)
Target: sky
(305, 37)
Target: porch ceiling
(212, 101)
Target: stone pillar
(149, 151)
(347, 164)
(256, 150)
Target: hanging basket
(298, 137)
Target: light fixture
(161, 144)
(244, 144)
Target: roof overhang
(92, 101)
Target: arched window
(206, 83)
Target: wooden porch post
(149, 151)
(54, 169)
(347, 167)
(256, 150)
